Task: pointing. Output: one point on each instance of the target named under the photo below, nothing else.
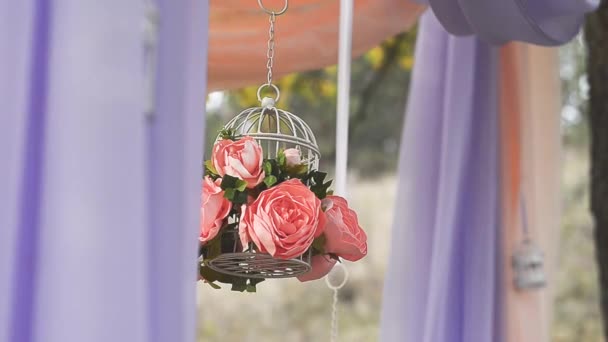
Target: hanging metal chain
(266, 101)
(270, 51)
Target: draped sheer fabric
(100, 203)
(441, 283)
(449, 275)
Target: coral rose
(241, 159)
(283, 221)
(344, 236)
(321, 266)
(214, 209)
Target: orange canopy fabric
(306, 36)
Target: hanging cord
(335, 288)
(524, 216)
(342, 117)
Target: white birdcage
(275, 130)
(528, 266)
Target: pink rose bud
(241, 159)
(321, 266)
(293, 156)
(214, 209)
(283, 221)
(345, 237)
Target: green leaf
(319, 244)
(214, 247)
(319, 177)
(239, 197)
(267, 167)
(229, 182)
(241, 185)
(214, 285)
(255, 281)
(210, 168)
(229, 194)
(239, 286)
(297, 170)
(330, 193)
(281, 159)
(270, 180)
(228, 134)
(251, 288)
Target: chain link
(270, 51)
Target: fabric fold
(546, 22)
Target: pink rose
(321, 266)
(241, 159)
(345, 237)
(283, 221)
(293, 156)
(214, 209)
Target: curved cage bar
(275, 130)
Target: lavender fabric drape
(442, 278)
(99, 204)
(441, 282)
(548, 22)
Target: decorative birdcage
(275, 130)
(528, 266)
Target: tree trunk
(596, 34)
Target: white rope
(342, 116)
(335, 288)
(334, 318)
(344, 58)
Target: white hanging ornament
(528, 266)
(527, 260)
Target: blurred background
(287, 310)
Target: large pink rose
(214, 209)
(283, 221)
(321, 266)
(345, 237)
(241, 159)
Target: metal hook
(260, 2)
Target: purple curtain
(99, 208)
(441, 278)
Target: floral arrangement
(275, 206)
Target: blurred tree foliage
(379, 87)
